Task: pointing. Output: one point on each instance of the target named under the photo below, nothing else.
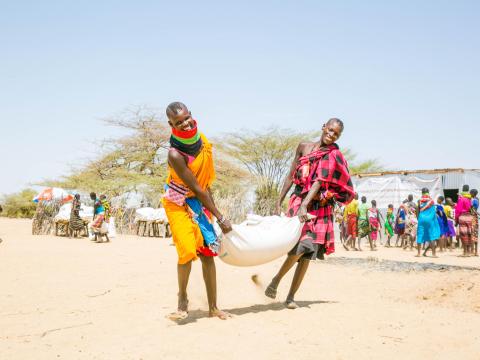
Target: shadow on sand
(195, 315)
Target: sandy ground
(73, 299)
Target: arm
(177, 162)
(287, 184)
(302, 211)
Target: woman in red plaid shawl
(320, 174)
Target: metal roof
(410, 172)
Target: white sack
(112, 232)
(150, 214)
(259, 240)
(64, 212)
(86, 212)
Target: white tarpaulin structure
(392, 187)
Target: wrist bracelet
(221, 220)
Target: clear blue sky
(403, 76)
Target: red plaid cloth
(327, 165)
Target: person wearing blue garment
(442, 223)
(474, 212)
(428, 230)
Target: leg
(210, 277)
(372, 248)
(419, 249)
(344, 240)
(300, 271)
(271, 290)
(183, 274)
(433, 246)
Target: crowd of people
(426, 224)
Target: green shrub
(19, 205)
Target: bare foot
(417, 255)
(178, 315)
(434, 256)
(222, 315)
(271, 291)
(345, 247)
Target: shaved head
(335, 121)
(174, 108)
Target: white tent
(392, 187)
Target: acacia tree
(267, 156)
(137, 162)
(134, 162)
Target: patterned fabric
(98, 221)
(363, 227)
(352, 225)
(374, 223)
(475, 228)
(175, 193)
(389, 223)
(411, 220)
(465, 228)
(473, 211)
(107, 208)
(400, 221)
(76, 222)
(329, 167)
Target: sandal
(271, 292)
